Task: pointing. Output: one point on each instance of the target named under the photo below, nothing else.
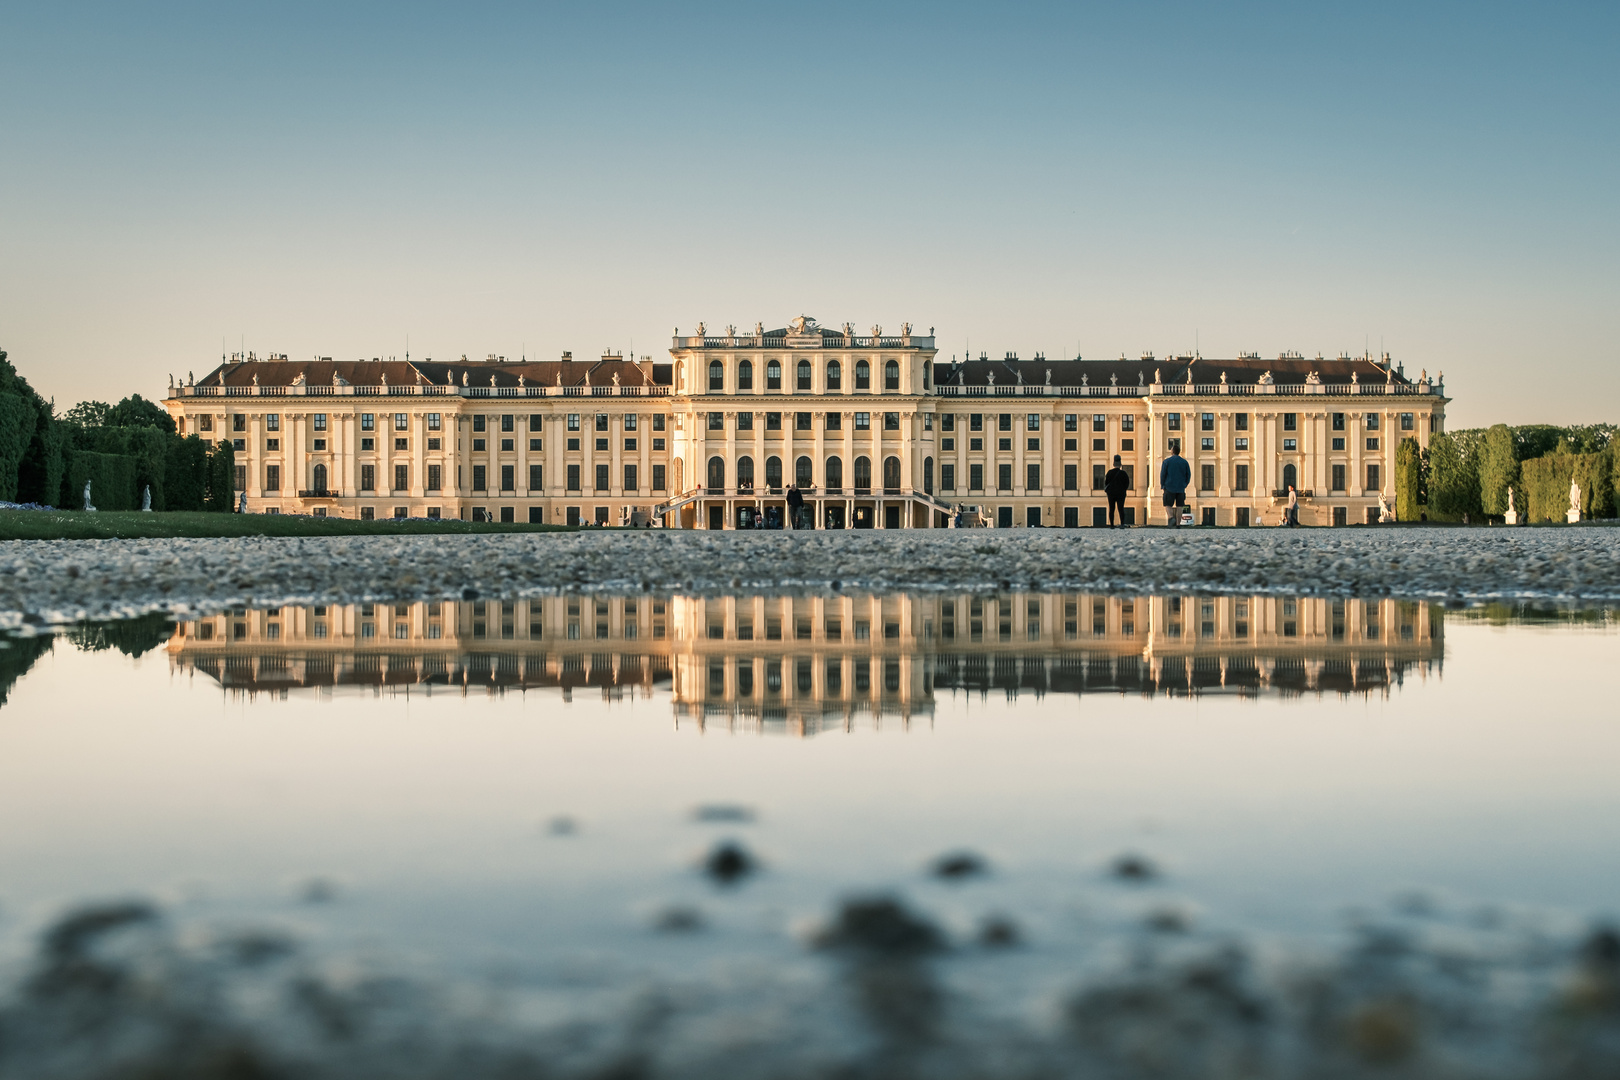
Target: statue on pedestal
(146, 499)
(1574, 514)
(1512, 515)
(1385, 514)
(89, 507)
(241, 504)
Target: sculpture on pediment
(385, 379)
(877, 332)
(1085, 378)
(1141, 378)
(731, 332)
(255, 378)
(1020, 374)
(1314, 379)
(298, 380)
(905, 333)
(615, 378)
(759, 329)
(1424, 377)
(1048, 376)
(464, 379)
(802, 324)
(1355, 378)
(1223, 378)
(1156, 377)
(1113, 378)
(171, 380)
(191, 378)
(559, 376)
(491, 381)
(522, 381)
(992, 378)
(700, 329)
(1265, 379)
(419, 379)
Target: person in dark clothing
(795, 501)
(1174, 476)
(1115, 485)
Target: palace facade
(873, 429)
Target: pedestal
(1511, 517)
(1572, 516)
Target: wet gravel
(59, 581)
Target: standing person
(795, 502)
(1174, 476)
(1115, 485)
(1293, 506)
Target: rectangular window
(1098, 474)
(717, 421)
(1241, 444)
(1206, 444)
(601, 421)
(508, 422)
(1032, 479)
(1032, 422)
(1127, 423)
(658, 444)
(241, 478)
(1372, 421)
(947, 477)
(773, 421)
(405, 444)
(1290, 444)
(1241, 421)
(1338, 478)
(1406, 422)
(1373, 478)
(1240, 478)
(537, 421)
(1071, 422)
(1206, 478)
(368, 422)
(928, 421)
(1206, 421)
(803, 421)
(658, 478)
(508, 478)
(320, 421)
(891, 421)
(1290, 421)
(1338, 421)
(205, 423)
(947, 422)
(1172, 421)
(1099, 422)
(1004, 477)
(272, 422)
(1035, 444)
(402, 477)
(479, 423)
(975, 421)
(534, 444)
(863, 421)
(435, 472)
(629, 478)
(434, 422)
(1338, 444)
(658, 421)
(402, 422)
(368, 478)
(1071, 478)
(975, 477)
(433, 444)
(601, 478)
(601, 444)
(573, 421)
(239, 421)
(629, 421)
(745, 421)
(272, 477)
(1372, 444)
(573, 477)
(630, 444)
(835, 421)
(1004, 422)
(272, 444)
(537, 477)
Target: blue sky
(326, 179)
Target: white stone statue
(1574, 513)
(299, 380)
(1314, 379)
(255, 378)
(1512, 515)
(700, 329)
(1355, 377)
(1266, 379)
(241, 504)
(419, 379)
(385, 379)
(89, 506)
(877, 332)
(1085, 378)
(1113, 378)
(146, 499)
(463, 378)
(1048, 376)
(520, 381)
(559, 376)
(1384, 513)
(1020, 374)
(615, 378)
(1141, 378)
(171, 380)
(491, 380)
(731, 332)
(992, 377)
(1223, 378)
(759, 329)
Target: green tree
(1498, 470)
(88, 414)
(1453, 480)
(136, 411)
(221, 497)
(1408, 479)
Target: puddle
(1012, 834)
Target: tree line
(121, 449)
(1465, 475)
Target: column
(418, 453)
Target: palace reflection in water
(808, 663)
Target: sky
(1434, 180)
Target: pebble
(1577, 564)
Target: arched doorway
(745, 474)
(863, 474)
(1290, 476)
(835, 474)
(717, 474)
(773, 473)
(320, 478)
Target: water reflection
(807, 663)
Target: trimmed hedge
(112, 481)
(1546, 480)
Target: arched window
(863, 375)
(835, 474)
(745, 375)
(891, 375)
(745, 473)
(773, 376)
(804, 374)
(928, 475)
(835, 375)
(891, 473)
(773, 473)
(801, 472)
(320, 478)
(717, 474)
(717, 375)
(1290, 476)
(928, 373)
(863, 474)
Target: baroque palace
(873, 429)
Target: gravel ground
(59, 581)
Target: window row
(832, 474)
(804, 374)
(804, 421)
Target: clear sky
(327, 179)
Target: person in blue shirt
(1174, 476)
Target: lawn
(129, 525)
